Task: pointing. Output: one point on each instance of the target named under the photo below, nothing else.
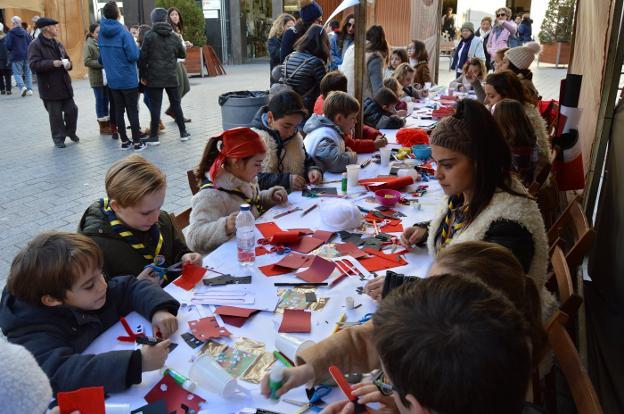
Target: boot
(161, 126)
(105, 128)
(114, 131)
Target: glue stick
(183, 381)
(276, 380)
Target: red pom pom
(409, 137)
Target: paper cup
(385, 156)
(353, 174)
(211, 376)
(119, 408)
(290, 345)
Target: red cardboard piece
(284, 237)
(261, 251)
(306, 244)
(323, 235)
(174, 395)
(304, 232)
(268, 229)
(387, 183)
(295, 261)
(274, 270)
(296, 321)
(349, 249)
(235, 311)
(207, 328)
(190, 276)
(319, 270)
(86, 400)
(381, 261)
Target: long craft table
(264, 325)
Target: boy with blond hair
(57, 302)
(129, 225)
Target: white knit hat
(24, 387)
(523, 56)
(340, 215)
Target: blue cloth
(459, 61)
(101, 101)
(525, 31)
(336, 52)
(119, 55)
(17, 41)
(20, 67)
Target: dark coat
(119, 257)
(274, 46)
(289, 38)
(5, 63)
(376, 117)
(54, 83)
(525, 30)
(160, 52)
(303, 72)
(17, 41)
(56, 336)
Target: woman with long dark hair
(174, 18)
(310, 13)
(341, 42)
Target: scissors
(161, 272)
(362, 321)
(281, 250)
(315, 399)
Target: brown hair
(402, 54)
(393, 85)
(447, 339)
(315, 42)
(402, 70)
(132, 178)
(507, 84)
(487, 19)
(500, 53)
(514, 124)
(51, 264)
(476, 62)
(498, 268)
(340, 103)
(177, 28)
(279, 25)
(376, 41)
(333, 81)
(385, 96)
(420, 51)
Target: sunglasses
(501, 15)
(384, 388)
(350, 24)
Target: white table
(263, 326)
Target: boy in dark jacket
(129, 226)
(158, 62)
(287, 163)
(5, 65)
(379, 112)
(57, 302)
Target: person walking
(5, 65)
(17, 42)
(174, 18)
(96, 79)
(49, 60)
(158, 62)
(119, 54)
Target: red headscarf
(237, 143)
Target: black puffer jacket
(54, 83)
(376, 117)
(160, 52)
(303, 72)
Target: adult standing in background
(484, 33)
(274, 45)
(96, 79)
(340, 43)
(503, 28)
(448, 24)
(5, 65)
(49, 60)
(525, 29)
(470, 46)
(310, 13)
(174, 18)
(17, 42)
(34, 33)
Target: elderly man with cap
(160, 52)
(17, 42)
(470, 46)
(311, 13)
(49, 60)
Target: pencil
(307, 210)
(342, 319)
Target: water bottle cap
(245, 207)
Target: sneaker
(139, 146)
(152, 141)
(60, 145)
(29, 92)
(23, 91)
(74, 138)
(185, 136)
(125, 145)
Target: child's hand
(369, 393)
(373, 288)
(339, 407)
(297, 182)
(154, 357)
(314, 176)
(402, 113)
(192, 258)
(279, 196)
(412, 235)
(293, 378)
(230, 223)
(164, 323)
(148, 274)
(380, 141)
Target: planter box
(202, 61)
(557, 53)
(194, 61)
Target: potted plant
(194, 31)
(556, 31)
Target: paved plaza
(45, 188)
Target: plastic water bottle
(245, 236)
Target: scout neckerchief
(252, 202)
(123, 232)
(455, 218)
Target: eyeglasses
(384, 388)
(501, 15)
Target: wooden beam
(360, 60)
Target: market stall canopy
(36, 5)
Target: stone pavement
(45, 188)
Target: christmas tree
(558, 21)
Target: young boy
(287, 163)
(129, 225)
(449, 344)
(57, 302)
(371, 139)
(325, 133)
(380, 111)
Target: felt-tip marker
(276, 380)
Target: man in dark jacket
(50, 61)
(17, 42)
(160, 52)
(5, 65)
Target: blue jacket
(17, 41)
(119, 55)
(525, 31)
(337, 53)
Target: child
(332, 81)
(404, 74)
(228, 168)
(287, 163)
(394, 85)
(380, 111)
(129, 225)
(498, 63)
(57, 302)
(325, 133)
(397, 57)
(419, 59)
(470, 80)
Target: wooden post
(360, 60)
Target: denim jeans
(101, 101)
(19, 68)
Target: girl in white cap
(518, 60)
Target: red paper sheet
(261, 251)
(393, 226)
(381, 261)
(235, 316)
(295, 261)
(268, 229)
(190, 276)
(323, 235)
(174, 395)
(284, 237)
(274, 270)
(296, 321)
(385, 183)
(349, 249)
(319, 270)
(304, 232)
(306, 244)
(86, 400)
(207, 328)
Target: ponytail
(211, 151)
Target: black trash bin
(238, 108)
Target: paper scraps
(85, 400)
(191, 340)
(206, 328)
(349, 249)
(381, 261)
(300, 298)
(157, 407)
(176, 398)
(319, 270)
(230, 358)
(296, 321)
(235, 316)
(190, 276)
